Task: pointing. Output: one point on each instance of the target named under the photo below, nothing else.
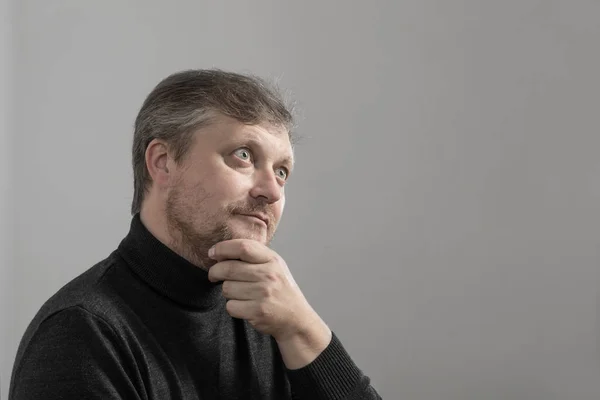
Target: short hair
(188, 100)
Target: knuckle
(266, 290)
(245, 247)
(262, 311)
(226, 270)
(226, 287)
(271, 276)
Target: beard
(192, 237)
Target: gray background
(444, 216)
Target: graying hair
(186, 101)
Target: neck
(156, 222)
(165, 270)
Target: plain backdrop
(444, 216)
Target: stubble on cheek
(194, 224)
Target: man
(193, 304)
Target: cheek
(280, 206)
(219, 187)
(229, 187)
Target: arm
(319, 367)
(260, 289)
(72, 354)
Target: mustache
(253, 208)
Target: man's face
(232, 171)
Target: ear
(158, 162)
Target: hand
(260, 289)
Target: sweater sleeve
(332, 375)
(71, 355)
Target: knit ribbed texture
(332, 375)
(166, 271)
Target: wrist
(306, 326)
(303, 345)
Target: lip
(263, 218)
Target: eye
(282, 173)
(243, 154)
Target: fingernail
(211, 252)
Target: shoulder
(88, 294)
(75, 316)
(72, 352)
(86, 290)
(66, 327)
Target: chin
(242, 230)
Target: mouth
(259, 218)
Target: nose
(266, 186)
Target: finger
(241, 309)
(235, 270)
(241, 249)
(233, 290)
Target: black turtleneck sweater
(146, 324)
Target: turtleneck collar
(166, 271)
